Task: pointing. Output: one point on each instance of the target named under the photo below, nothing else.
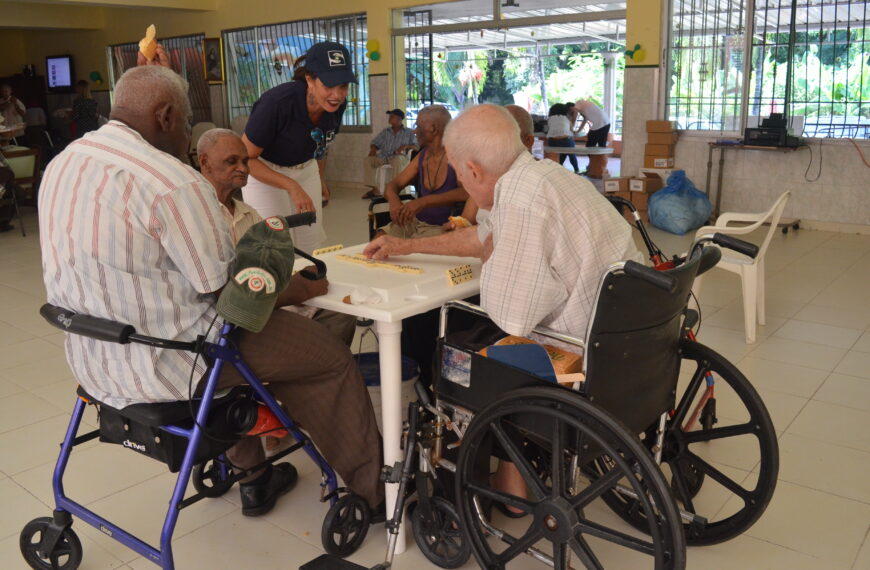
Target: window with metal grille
(419, 83)
(809, 59)
(262, 57)
(185, 56)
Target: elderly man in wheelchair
(622, 437)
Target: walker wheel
(345, 526)
(209, 478)
(66, 554)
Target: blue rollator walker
(191, 437)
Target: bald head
(482, 144)
(526, 124)
(153, 100)
(487, 135)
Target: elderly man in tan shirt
(223, 159)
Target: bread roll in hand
(148, 44)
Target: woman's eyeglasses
(322, 141)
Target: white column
(609, 102)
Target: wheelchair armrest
(85, 325)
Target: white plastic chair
(751, 271)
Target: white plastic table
(401, 295)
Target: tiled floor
(811, 364)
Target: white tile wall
(753, 179)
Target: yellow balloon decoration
(373, 45)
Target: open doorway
(532, 54)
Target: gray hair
(210, 138)
(143, 88)
(484, 134)
(438, 114)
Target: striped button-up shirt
(554, 236)
(131, 234)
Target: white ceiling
(469, 11)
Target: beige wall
(14, 54)
(644, 28)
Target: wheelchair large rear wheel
(568, 526)
(724, 471)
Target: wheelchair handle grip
(650, 275)
(303, 219)
(738, 245)
(85, 325)
(318, 264)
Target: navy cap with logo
(397, 112)
(330, 62)
(262, 269)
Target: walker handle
(303, 219)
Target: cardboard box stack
(660, 143)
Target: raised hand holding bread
(148, 44)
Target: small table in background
(784, 224)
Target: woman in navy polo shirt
(287, 136)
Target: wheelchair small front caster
(345, 526)
(439, 537)
(67, 551)
(209, 478)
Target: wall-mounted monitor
(59, 73)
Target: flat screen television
(59, 73)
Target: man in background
(389, 147)
(599, 122)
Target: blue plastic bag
(679, 207)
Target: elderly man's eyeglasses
(322, 141)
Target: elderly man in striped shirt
(130, 233)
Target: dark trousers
(567, 142)
(314, 376)
(598, 137)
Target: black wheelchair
(622, 446)
(190, 437)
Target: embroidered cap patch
(276, 223)
(257, 278)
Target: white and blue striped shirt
(130, 233)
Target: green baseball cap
(261, 271)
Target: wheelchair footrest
(330, 562)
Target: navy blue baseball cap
(330, 62)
